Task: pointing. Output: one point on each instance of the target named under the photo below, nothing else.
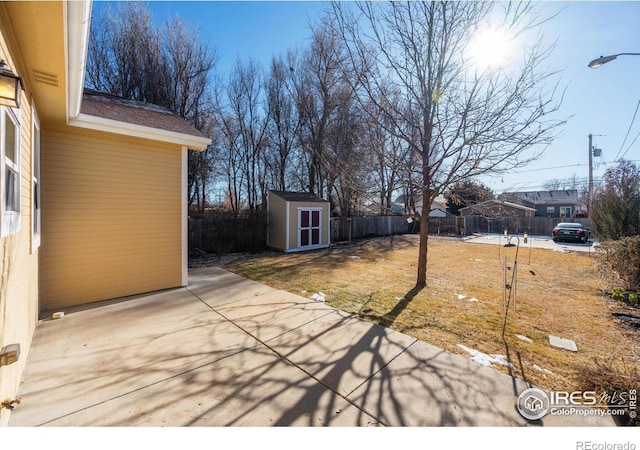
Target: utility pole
(590, 175)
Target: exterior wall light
(9, 354)
(10, 85)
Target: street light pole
(590, 175)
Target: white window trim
(36, 169)
(11, 222)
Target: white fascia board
(140, 131)
(77, 35)
(185, 217)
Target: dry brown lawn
(557, 294)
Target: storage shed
(298, 221)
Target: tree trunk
(424, 239)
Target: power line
(628, 131)
(572, 165)
(630, 145)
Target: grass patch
(557, 293)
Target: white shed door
(309, 226)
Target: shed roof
(298, 196)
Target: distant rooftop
(559, 197)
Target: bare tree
(320, 89)
(572, 183)
(166, 66)
(346, 161)
(459, 121)
(389, 157)
(283, 124)
(243, 120)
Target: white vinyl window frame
(36, 185)
(10, 174)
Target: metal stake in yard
(514, 278)
(515, 284)
(504, 285)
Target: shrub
(617, 293)
(621, 259)
(612, 375)
(633, 298)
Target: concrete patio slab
(427, 386)
(341, 351)
(275, 313)
(251, 388)
(217, 354)
(113, 348)
(217, 287)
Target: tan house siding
(18, 269)
(114, 229)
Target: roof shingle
(112, 107)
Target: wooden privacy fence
(226, 233)
(342, 229)
(538, 226)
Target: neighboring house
(298, 221)
(563, 204)
(497, 209)
(93, 187)
(438, 207)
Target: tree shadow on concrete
(167, 361)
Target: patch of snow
(473, 299)
(484, 359)
(318, 296)
(400, 299)
(542, 369)
(501, 359)
(461, 296)
(524, 338)
(353, 257)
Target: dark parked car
(575, 232)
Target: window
(10, 149)
(565, 211)
(551, 209)
(35, 194)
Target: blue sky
(601, 101)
